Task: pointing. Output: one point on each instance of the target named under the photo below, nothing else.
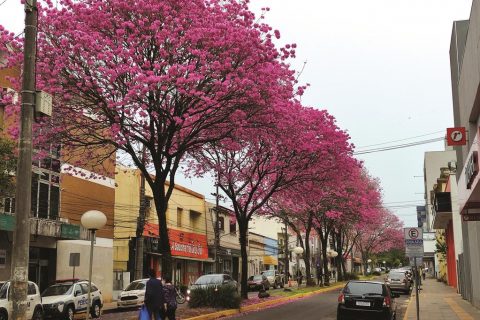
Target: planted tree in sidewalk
(166, 77)
(278, 151)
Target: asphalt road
(322, 306)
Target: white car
(66, 298)
(34, 302)
(133, 295)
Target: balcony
(47, 228)
(442, 210)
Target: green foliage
(376, 273)
(221, 297)
(440, 244)
(7, 167)
(350, 276)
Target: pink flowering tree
(262, 160)
(152, 80)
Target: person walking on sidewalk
(424, 274)
(154, 296)
(170, 298)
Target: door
(80, 298)
(31, 299)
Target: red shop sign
(183, 244)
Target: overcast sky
(380, 67)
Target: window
(84, 287)
(46, 184)
(221, 224)
(179, 217)
(9, 205)
(233, 226)
(31, 289)
(3, 259)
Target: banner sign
(183, 244)
(456, 136)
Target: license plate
(363, 304)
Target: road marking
(461, 314)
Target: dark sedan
(258, 282)
(366, 300)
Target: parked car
(66, 298)
(214, 280)
(258, 282)
(133, 295)
(398, 280)
(34, 302)
(366, 300)
(274, 278)
(377, 270)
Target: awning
(270, 260)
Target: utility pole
(216, 227)
(139, 245)
(21, 238)
(287, 267)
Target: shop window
(9, 205)
(179, 217)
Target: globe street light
(92, 220)
(298, 251)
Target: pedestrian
(170, 298)
(154, 296)
(334, 274)
(424, 274)
(299, 276)
(320, 276)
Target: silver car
(133, 295)
(397, 280)
(214, 280)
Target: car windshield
(397, 275)
(57, 290)
(363, 288)
(269, 273)
(258, 277)
(209, 279)
(137, 285)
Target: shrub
(376, 273)
(350, 276)
(221, 297)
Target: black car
(367, 300)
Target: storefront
(189, 252)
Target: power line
(383, 143)
(400, 146)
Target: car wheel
(3, 315)
(96, 310)
(69, 314)
(37, 314)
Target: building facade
(465, 75)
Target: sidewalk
(441, 302)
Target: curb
(231, 312)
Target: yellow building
(186, 218)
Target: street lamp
(298, 251)
(92, 220)
(368, 262)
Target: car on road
(133, 295)
(258, 282)
(34, 301)
(379, 270)
(367, 300)
(214, 280)
(275, 279)
(66, 298)
(398, 280)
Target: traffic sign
(413, 242)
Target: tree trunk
(306, 258)
(243, 228)
(161, 204)
(339, 260)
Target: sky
(381, 67)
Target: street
(322, 306)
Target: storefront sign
(70, 231)
(471, 217)
(456, 136)
(7, 222)
(183, 244)
(471, 169)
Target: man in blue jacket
(154, 297)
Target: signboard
(182, 243)
(471, 217)
(74, 259)
(456, 136)
(413, 242)
(70, 231)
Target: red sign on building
(456, 136)
(183, 244)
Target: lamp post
(368, 265)
(298, 251)
(92, 220)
